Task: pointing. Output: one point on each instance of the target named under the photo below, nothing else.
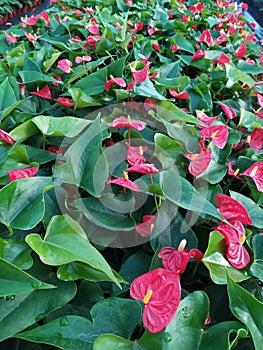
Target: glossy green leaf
(214, 259)
(247, 309)
(257, 266)
(20, 198)
(184, 332)
(16, 252)
(183, 43)
(114, 315)
(66, 242)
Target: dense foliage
(132, 176)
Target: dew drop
(10, 297)
(64, 321)
(70, 278)
(167, 337)
(36, 284)
(184, 312)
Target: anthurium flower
(31, 21)
(206, 38)
(199, 161)
(198, 54)
(138, 27)
(149, 104)
(140, 75)
(32, 37)
(241, 51)
(11, 38)
(255, 139)
(58, 78)
(229, 208)
(45, 17)
(196, 8)
(44, 92)
(204, 118)
(160, 291)
(113, 81)
(65, 101)
(177, 259)
(181, 95)
(93, 28)
(217, 133)
(125, 182)
(229, 112)
(256, 173)
(135, 154)
(123, 122)
(91, 40)
(6, 137)
(231, 171)
(223, 59)
(145, 228)
(222, 37)
(22, 173)
(79, 59)
(143, 169)
(156, 46)
(65, 65)
(236, 253)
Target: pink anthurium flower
(229, 112)
(149, 104)
(113, 81)
(255, 139)
(198, 54)
(241, 51)
(93, 29)
(135, 154)
(125, 182)
(229, 208)
(156, 46)
(22, 173)
(65, 65)
(65, 101)
(140, 75)
(206, 38)
(145, 228)
(11, 38)
(222, 37)
(123, 122)
(223, 59)
(181, 95)
(6, 137)
(160, 291)
(236, 253)
(233, 172)
(177, 259)
(143, 169)
(217, 133)
(199, 161)
(91, 40)
(32, 37)
(44, 93)
(204, 118)
(79, 59)
(256, 173)
(30, 21)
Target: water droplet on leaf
(184, 312)
(167, 337)
(36, 284)
(10, 297)
(64, 321)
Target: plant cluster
(131, 175)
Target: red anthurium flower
(181, 95)
(231, 171)
(6, 137)
(149, 104)
(79, 59)
(91, 40)
(244, 6)
(206, 38)
(22, 173)
(196, 8)
(223, 59)
(65, 101)
(32, 37)
(56, 149)
(123, 122)
(143, 169)
(198, 54)
(113, 81)
(204, 118)
(241, 51)
(45, 92)
(229, 208)
(177, 259)
(135, 154)
(11, 38)
(125, 182)
(250, 37)
(259, 98)
(256, 173)
(156, 46)
(160, 292)
(217, 133)
(138, 27)
(236, 253)
(255, 139)
(222, 37)
(58, 78)
(140, 75)
(44, 15)
(229, 112)
(30, 21)
(145, 228)
(93, 29)
(199, 161)
(65, 65)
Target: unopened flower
(22, 173)
(6, 137)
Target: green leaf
(94, 83)
(147, 89)
(16, 252)
(22, 198)
(32, 306)
(184, 332)
(14, 281)
(114, 315)
(66, 242)
(247, 309)
(183, 43)
(257, 266)
(214, 259)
